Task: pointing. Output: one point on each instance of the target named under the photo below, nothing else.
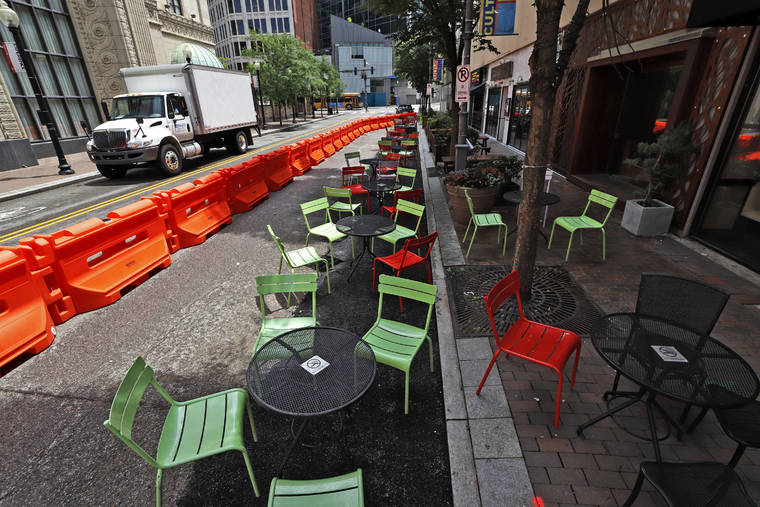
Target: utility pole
(461, 155)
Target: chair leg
(250, 472)
(737, 455)
(636, 489)
(488, 370)
(504, 248)
(558, 405)
(575, 364)
(569, 243)
(604, 245)
(472, 238)
(307, 238)
(430, 348)
(580, 233)
(327, 274)
(332, 260)
(159, 477)
(430, 276)
(406, 392)
(250, 420)
(551, 236)
(467, 230)
(374, 281)
(279, 270)
(353, 254)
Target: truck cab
(190, 114)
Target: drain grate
(556, 300)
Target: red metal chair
(353, 178)
(414, 195)
(405, 259)
(386, 167)
(391, 156)
(541, 344)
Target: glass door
(519, 118)
(493, 119)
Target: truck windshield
(144, 106)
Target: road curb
(48, 186)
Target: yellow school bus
(345, 101)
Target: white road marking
(21, 211)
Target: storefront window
(519, 118)
(493, 119)
(730, 218)
(476, 117)
(48, 34)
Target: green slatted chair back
(403, 206)
(406, 288)
(337, 193)
(287, 284)
(321, 204)
(278, 242)
(469, 203)
(345, 491)
(407, 173)
(385, 145)
(352, 155)
(606, 200)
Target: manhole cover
(556, 300)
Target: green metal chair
(484, 220)
(284, 284)
(352, 155)
(300, 257)
(395, 343)
(385, 146)
(344, 490)
(340, 200)
(406, 172)
(401, 232)
(572, 224)
(193, 430)
(327, 229)
(409, 150)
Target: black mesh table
(372, 163)
(544, 199)
(310, 372)
(380, 188)
(365, 227)
(665, 359)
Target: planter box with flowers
(484, 182)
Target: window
(176, 105)
(238, 7)
(273, 22)
(284, 5)
(256, 25)
(250, 25)
(271, 6)
(263, 26)
(279, 25)
(175, 6)
(240, 27)
(357, 52)
(261, 7)
(237, 49)
(49, 35)
(248, 5)
(287, 24)
(232, 27)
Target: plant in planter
(482, 184)
(508, 169)
(662, 162)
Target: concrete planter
(647, 220)
(483, 200)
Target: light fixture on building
(10, 19)
(187, 53)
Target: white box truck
(172, 113)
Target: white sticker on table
(669, 354)
(314, 365)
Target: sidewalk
(600, 467)
(43, 176)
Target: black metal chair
(741, 425)
(688, 303)
(693, 484)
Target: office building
(353, 11)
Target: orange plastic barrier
(25, 324)
(327, 145)
(365, 126)
(95, 260)
(344, 135)
(278, 171)
(196, 210)
(336, 139)
(299, 158)
(246, 185)
(316, 155)
(353, 131)
(374, 123)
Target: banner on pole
(438, 70)
(462, 92)
(498, 17)
(13, 57)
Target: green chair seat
(192, 430)
(484, 220)
(401, 232)
(340, 200)
(342, 491)
(327, 229)
(396, 343)
(299, 257)
(578, 223)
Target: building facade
(353, 11)
(78, 47)
(233, 20)
(356, 49)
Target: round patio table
(372, 163)
(544, 199)
(365, 227)
(310, 372)
(380, 188)
(665, 359)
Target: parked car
(404, 108)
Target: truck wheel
(170, 159)
(239, 143)
(112, 172)
(349, 107)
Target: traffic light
(355, 71)
(372, 70)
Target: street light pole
(461, 147)
(257, 66)
(10, 19)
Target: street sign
(462, 92)
(13, 57)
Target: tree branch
(569, 42)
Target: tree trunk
(542, 68)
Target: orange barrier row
(246, 185)
(94, 260)
(25, 324)
(277, 164)
(50, 278)
(299, 158)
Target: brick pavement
(600, 467)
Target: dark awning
(478, 88)
(715, 13)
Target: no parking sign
(463, 84)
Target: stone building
(78, 47)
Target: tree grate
(556, 300)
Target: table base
(650, 402)
(365, 248)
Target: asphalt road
(54, 209)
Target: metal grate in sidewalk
(556, 300)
